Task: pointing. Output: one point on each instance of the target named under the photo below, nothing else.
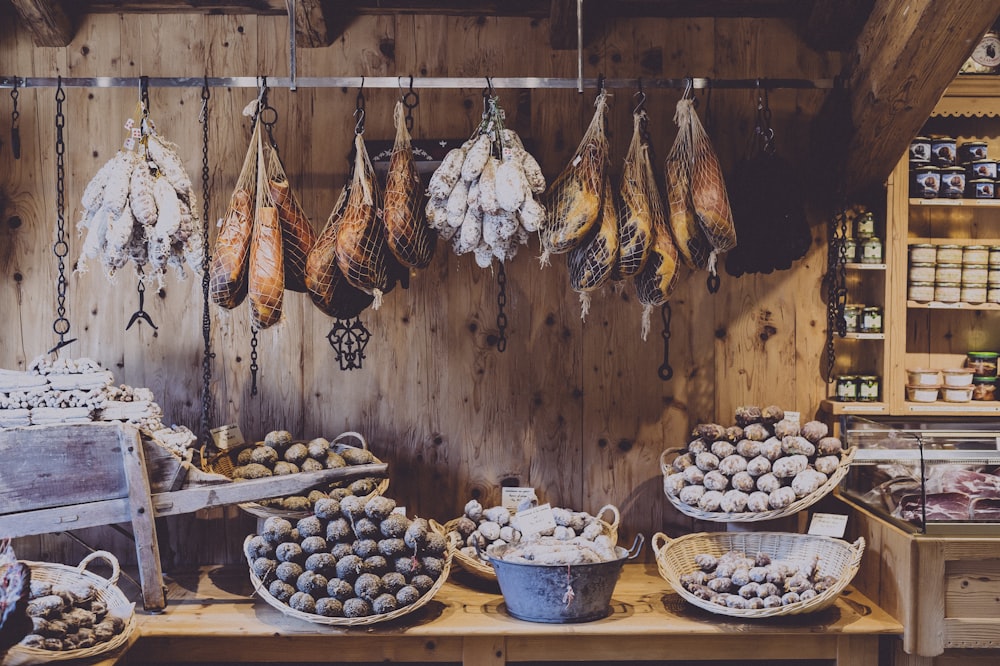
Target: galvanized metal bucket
(557, 593)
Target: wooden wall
(575, 409)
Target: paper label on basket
(794, 417)
(227, 436)
(511, 498)
(828, 524)
(535, 520)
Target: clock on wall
(985, 59)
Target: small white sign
(511, 498)
(535, 520)
(794, 417)
(227, 436)
(828, 524)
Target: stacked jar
(984, 368)
(993, 275)
(975, 259)
(940, 167)
(950, 273)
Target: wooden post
(147, 548)
(46, 20)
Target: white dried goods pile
(69, 617)
(141, 207)
(747, 581)
(763, 463)
(352, 558)
(483, 197)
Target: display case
(937, 477)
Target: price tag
(401, 510)
(511, 498)
(227, 436)
(828, 524)
(535, 520)
(794, 417)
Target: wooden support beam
(311, 26)
(46, 20)
(834, 25)
(562, 24)
(906, 55)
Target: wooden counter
(210, 617)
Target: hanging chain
(410, 101)
(61, 248)
(501, 304)
(15, 130)
(253, 360)
(665, 372)
(836, 287)
(144, 126)
(206, 322)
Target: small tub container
(982, 188)
(952, 182)
(864, 225)
(921, 292)
(976, 255)
(922, 272)
(984, 388)
(852, 317)
(994, 260)
(975, 275)
(949, 254)
(993, 278)
(871, 250)
(922, 393)
(948, 273)
(847, 388)
(982, 169)
(970, 151)
(871, 319)
(923, 377)
(868, 388)
(973, 295)
(920, 150)
(927, 254)
(993, 295)
(957, 377)
(956, 394)
(943, 151)
(948, 292)
(926, 182)
(984, 363)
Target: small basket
(485, 571)
(837, 558)
(260, 589)
(105, 590)
(754, 516)
(224, 463)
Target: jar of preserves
(847, 388)
(949, 254)
(923, 253)
(921, 292)
(852, 317)
(971, 150)
(984, 388)
(974, 276)
(922, 272)
(868, 388)
(948, 273)
(952, 182)
(871, 319)
(994, 260)
(920, 150)
(864, 225)
(947, 292)
(850, 250)
(983, 169)
(871, 250)
(973, 295)
(926, 182)
(978, 255)
(982, 188)
(993, 295)
(993, 277)
(984, 363)
(943, 151)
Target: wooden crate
(944, 590)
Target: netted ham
(361, 250)
(265, 280)
(231, 253)
(640, 202)
(296, 230)
(573, 201)
(329, 289)
(658, 278)
(410, 240)
(592, 263)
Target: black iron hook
(641, 95)
(141, 312)
(359, 109)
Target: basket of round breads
(352, 562)
(492, 528)
(280, 454)
(75, 613)
(757, 574)
(762, 468)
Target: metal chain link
(665, 372)
(836, 287)
(501, 304)
(206, 322)
(15, 130)
(410, 101)
(60, 248)
(253, 360)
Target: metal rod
(579, 46)
(444, 82)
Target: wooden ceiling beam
(312, 29)
(46, 20)
(906, 55)
(834, 25)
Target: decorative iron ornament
(349, 338)
(665, 372)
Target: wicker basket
(754, 516)
(261, 590)
(224, 463)
(105, 590)
(837, 558)
(484, 570)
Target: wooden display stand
(61, 477)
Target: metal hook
(141, 312)
(600, 83)
(410, 101)
(488, 91)
(688, 88)
(641, 95)
(359, 109)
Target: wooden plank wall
(575, 409)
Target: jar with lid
(993, 295)
(983, 362)
(983, 169)
(973, 295)
(852, 317)
(974, 276)
(943, 151)
(871, 250)
(871, 319)
(994, 260)
(978, 255)
(982, 188)
(948, 292)
(922, 272)
(948, 273)
(926, 182)
(847, 388)
(952, 182)
(923, 253)
(920, 150)
(993, 278)
(949, 254)
(868, 388)
(850, 250)
(984, 388)
(864, 225)
(971, 150)
(921, 292)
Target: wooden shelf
(975, 203)
(864, 336)
(935, 305)
(837, 407)
(953, 241)
(941, 408)
(857, 266)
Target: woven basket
(837, 558)
(105, 590)
(224, 463)
(754, 516)
(260, 589)
(484, 570)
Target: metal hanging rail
(443, 82)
